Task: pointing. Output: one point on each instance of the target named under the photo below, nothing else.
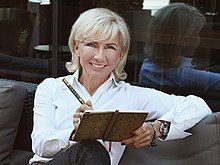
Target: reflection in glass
(173, 36)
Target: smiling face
(98, 59)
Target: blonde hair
(100, 24)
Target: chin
(99, 75)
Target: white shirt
(55, 105)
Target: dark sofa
(16, 103)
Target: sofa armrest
(203, 147)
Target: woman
(173, 36)
(99, 43)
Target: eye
(110, 47)
(91, 44)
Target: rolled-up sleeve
(182, 111)
(47, 140)
(184, 115)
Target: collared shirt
(55, 105)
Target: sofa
(16, 104)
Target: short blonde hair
(100, 24)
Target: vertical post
(213, 7)
(55, 38)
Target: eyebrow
(95, 42)
(113, 44)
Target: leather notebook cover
(109, 125)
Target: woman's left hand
(142, 137)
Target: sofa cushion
(12, 97)
(203, 147)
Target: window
(35, 36)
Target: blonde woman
(99, 43)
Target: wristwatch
(164, 129)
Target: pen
(73, 91)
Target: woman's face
(98, 59)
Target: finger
(142, 140)
(141, 145)
(89, 103)
(128, 141)
(83, 107)
(80, 109)
(143, 128)
(76, 126)
(142, 136)
(77, 115)
(76, 120)
(135, 140)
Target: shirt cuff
(64, 137)
(175, 133)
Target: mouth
(97, 66)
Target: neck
(91, 83)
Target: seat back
(12, 97)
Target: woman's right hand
(79, 111)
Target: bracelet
(153, 142)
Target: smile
(97, 65)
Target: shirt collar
(119, 83)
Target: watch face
(164, 129)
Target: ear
(120, 55)
(75, 46)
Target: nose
(99, 55)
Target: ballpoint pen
(73, 91)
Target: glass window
(35, 33)
(24, 26)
